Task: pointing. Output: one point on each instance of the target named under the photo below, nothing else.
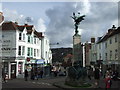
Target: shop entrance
(13, 70)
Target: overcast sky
(53, 18)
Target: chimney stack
(92, 40)
(113, 27)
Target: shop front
(9, 68)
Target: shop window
(20, 67)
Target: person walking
(32, 74)
(41, 73)
(36, 73)
(26, 75)
(108, 81)
(97, 76)
(89, 73)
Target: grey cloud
(61, 25)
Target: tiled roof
(28, 27)
(38, 34)
(8, 26)
(110, 33)
(13, 26)
(21, 28)
(29, 31)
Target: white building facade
(22, 48)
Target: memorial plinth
(77, 49)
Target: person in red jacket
(108, 81)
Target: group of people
(58, 71)
(34, 74)
(108, 76)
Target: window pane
(34, 52)
(37, 52)
(115, 38)
(20, 35)
(29, 39)
(34, 40)
(31, 51)
(23, 50)
(23, 36)
(19, 50)
(28, 54)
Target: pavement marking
(42, 83)
(33, 82)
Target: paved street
(55, 82)
(41, 83)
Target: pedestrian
(36, 73)
(115, 75)
(89, 73)
(41, 73)
(108, 81)
(97, 76)
(32, 74)
(26, 75)
(5, 77)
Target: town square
(59, 44)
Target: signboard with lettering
(8, 44)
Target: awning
(39, 61)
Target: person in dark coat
(26, 75)
(41, 73)
(97, 76)
(32, 74)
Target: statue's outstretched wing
(81, 18)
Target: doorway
(13, 70)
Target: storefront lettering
(5, 41)
(8, 49)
